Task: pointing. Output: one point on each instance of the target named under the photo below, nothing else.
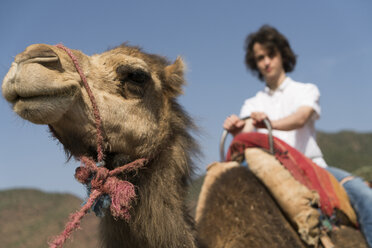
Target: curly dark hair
(274, 41)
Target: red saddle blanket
(302, 168)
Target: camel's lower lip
(42, 109)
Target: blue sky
(333, 41)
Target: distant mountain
(29, 218)
(348, 150)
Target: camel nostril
(41, 54)
(42, 60)
(37, 54)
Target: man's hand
(258, 119)
(233, 124)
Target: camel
(136, 94)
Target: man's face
(269, 63)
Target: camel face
(134, 92)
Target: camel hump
(214, 171)
(236, 210)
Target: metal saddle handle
(225, 133)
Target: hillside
(348, 150)
(29, 218)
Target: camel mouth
(40, 98)
(44, 96)
(52, 93)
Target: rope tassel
(102, 182)
(122, 193)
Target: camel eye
(132, 75)
(133, 81)
(139, 77)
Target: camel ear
(174, 79)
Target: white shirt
(284, 101)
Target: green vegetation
(348, 150)
(364, 172)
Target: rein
(92, 100)
(101, 182)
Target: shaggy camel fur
(136, 96)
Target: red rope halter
(102, 181)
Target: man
(292, 108)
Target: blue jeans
(360, 196)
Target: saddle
(309, 195)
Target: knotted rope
(102, 182)
(100, 179)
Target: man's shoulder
(259, 95)
(295, 85)
(256, 98)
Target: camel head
(135, 94)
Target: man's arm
(294, 121)
(235, 125)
